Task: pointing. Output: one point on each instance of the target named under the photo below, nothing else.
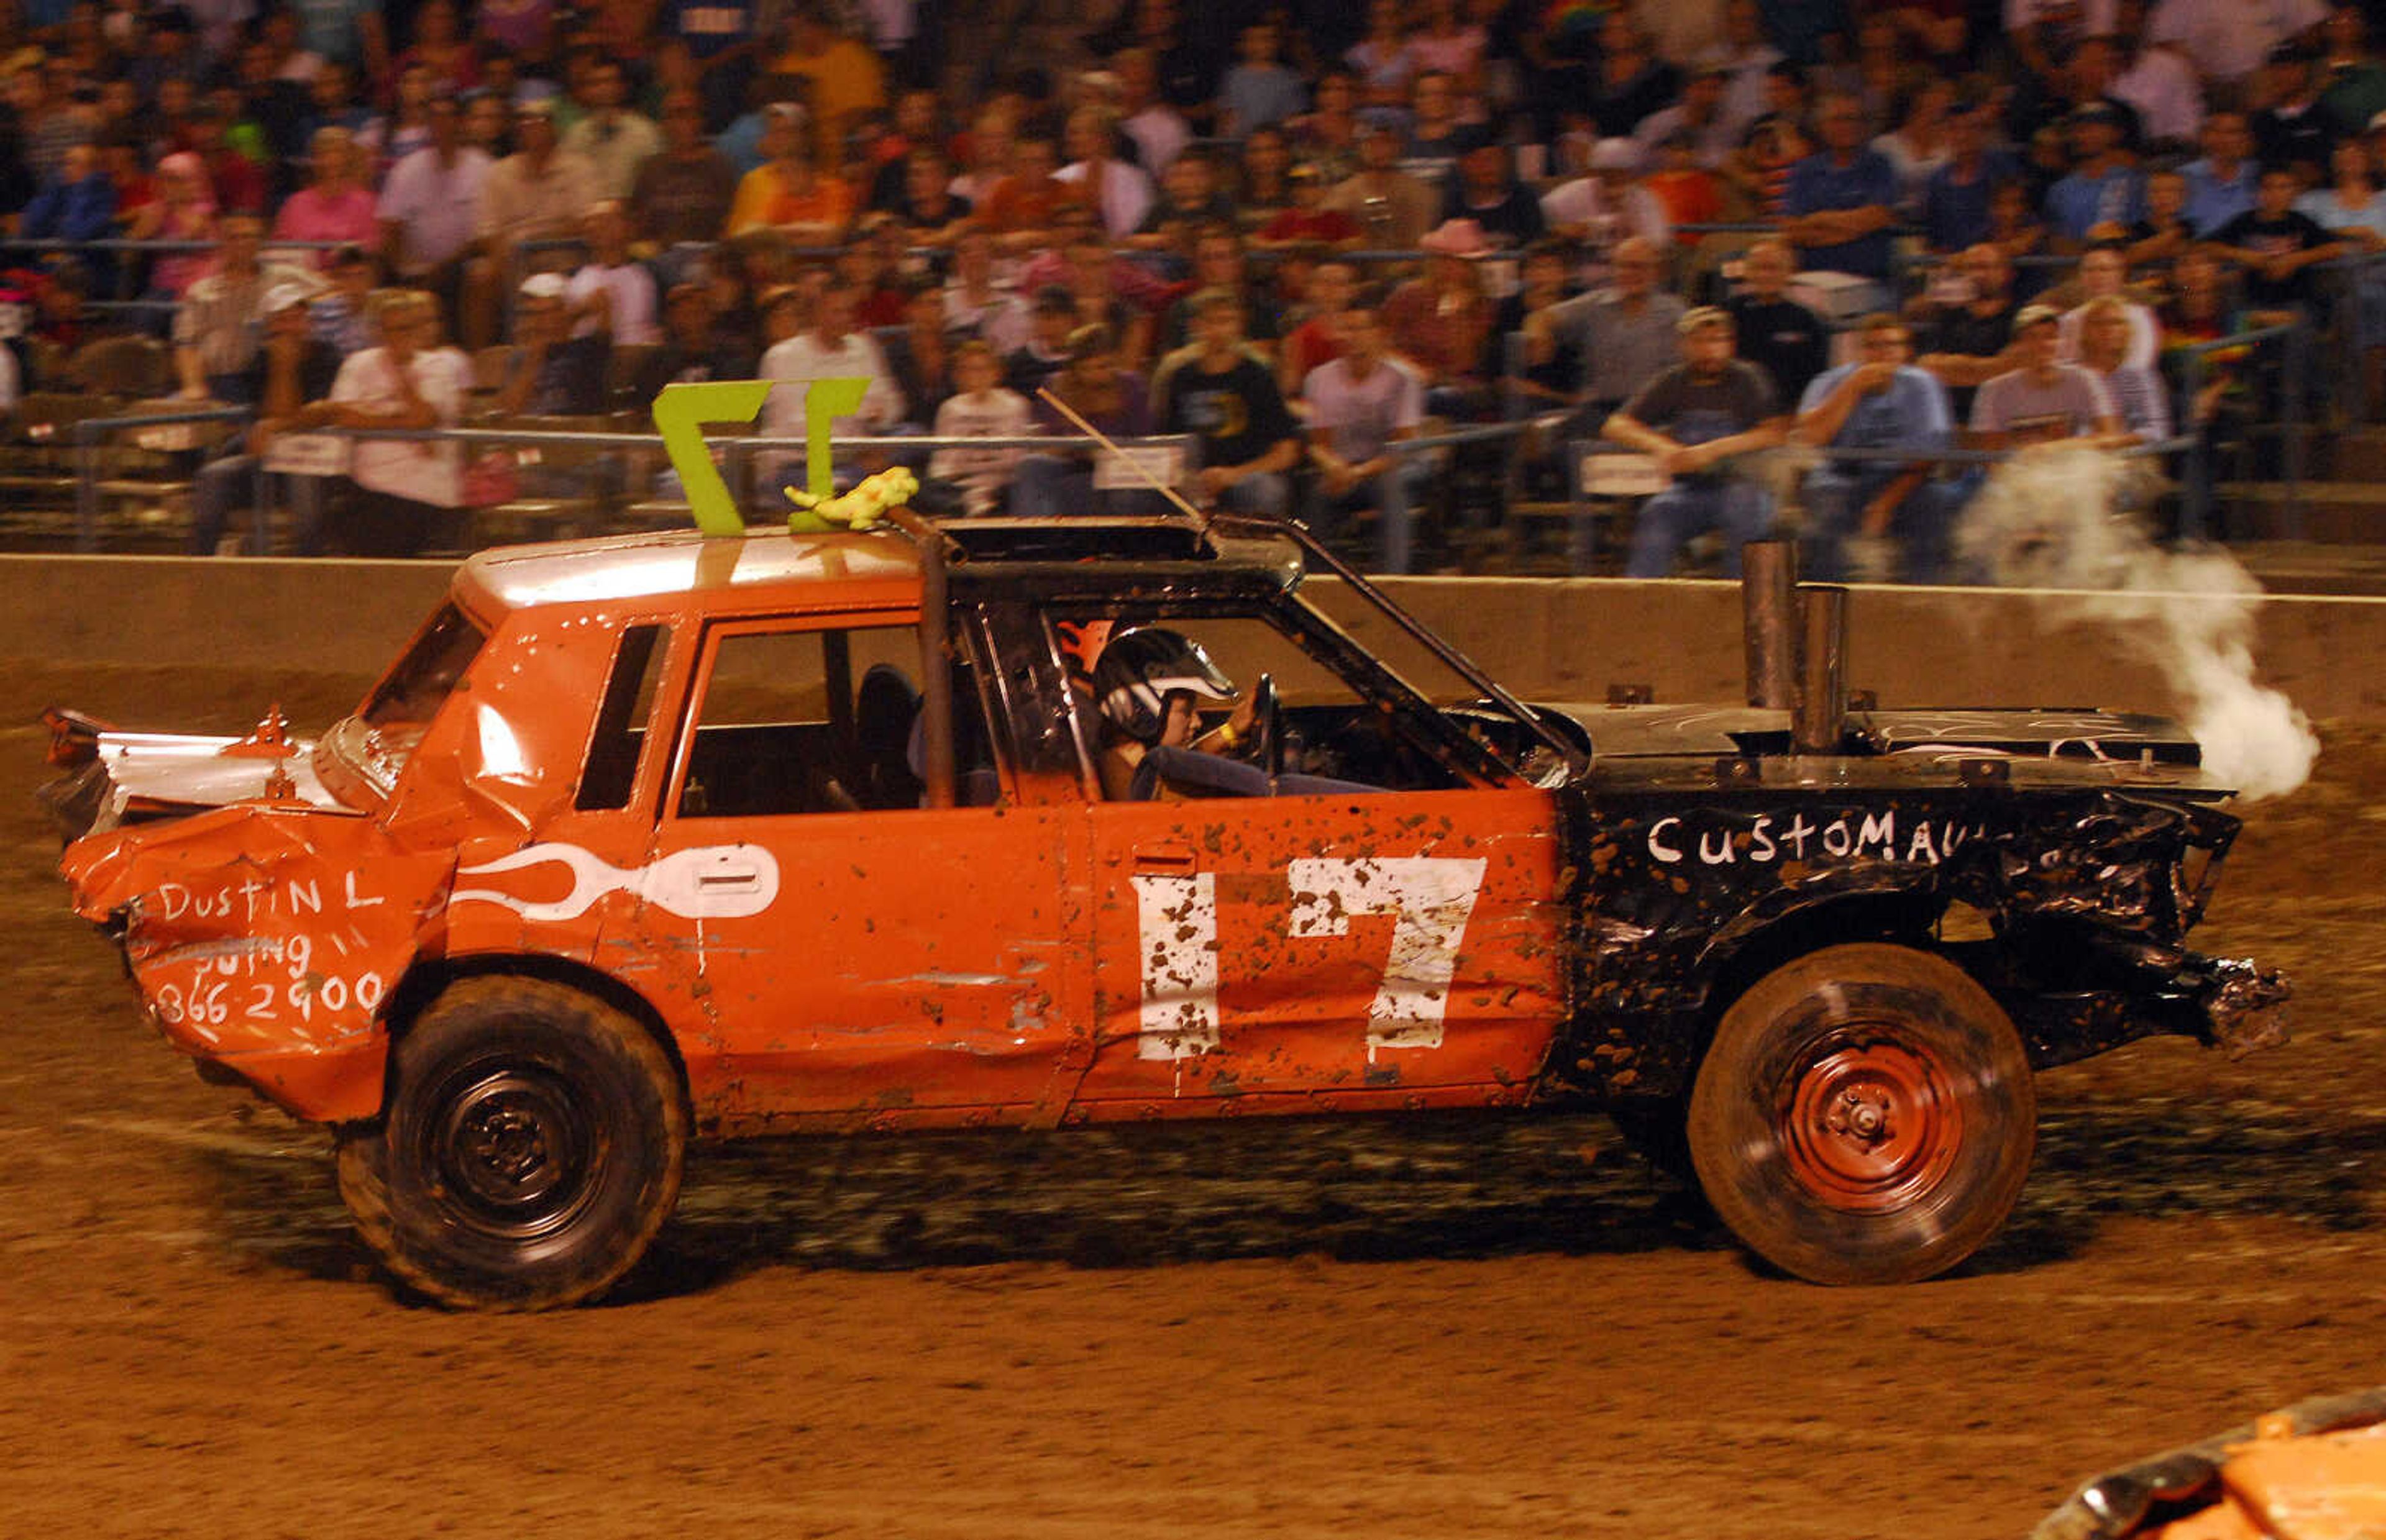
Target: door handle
(1169, 857)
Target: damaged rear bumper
(2225, 1002)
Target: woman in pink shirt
(335, 205)
(184, 210)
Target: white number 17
(1430, 899)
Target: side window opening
(812, 721)
(612, 767)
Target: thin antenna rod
(1200, 519)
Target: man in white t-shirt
(980, 408)
(832, 349)
(1359, 405)
(612, 291)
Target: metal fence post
(2296, 444)
(2195, 502)
(86, 488)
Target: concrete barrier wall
(1557, 639)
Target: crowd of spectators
(1299, 232)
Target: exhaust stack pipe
(1820, 720)
(1769, 622)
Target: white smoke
(2048, 519)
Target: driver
(1146, 684)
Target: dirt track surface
(1379, 1329)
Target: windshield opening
(427, 675)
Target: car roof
(1046, 556)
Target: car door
(856, 952)
(1402, 946)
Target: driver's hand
(1241, 718)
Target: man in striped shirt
(216, 325)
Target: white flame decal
(710, 881)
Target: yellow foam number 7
(680, 411)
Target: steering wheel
(1267, 736)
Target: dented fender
(267, 940)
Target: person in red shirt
(1317, 340)
(1308, 220)
(1689, 193)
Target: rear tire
(530, 1148)
(1864, 1115)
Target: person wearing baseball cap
(293, 367)
(1693, 418)
(2045, 400)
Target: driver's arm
(1229, 737)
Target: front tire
(1864, 1115)
(530, 1148)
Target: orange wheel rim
(1871, 1126)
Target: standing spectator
(1119, 193)
(1249, 439)
(1360, 404)
(216, 325)
(2043, 400)
(535, 194)
(1259, 91)
(2227, 40)
(1692, 417)
(292, 368)
(692, 348)
(612, 141)
(1879, 402)
(845, 80)
(2220, 186)
(1955, 198)
(787, 192)
(430, 206)
(78, 205)
(612, 293)
(681, 196)
(2103, 195)
(2157, 81)
(831, 349)
(1624, 334)
(402, 492)
(1840, 199)
(2140, 397)
(2276, 246)
(550, 371)
(2353, 209)
(335, 205)
(1393, 209)
(1775, 333)
(1971, 329)
(2103, 274)
(980, 408)
(1485, 191)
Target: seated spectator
(2015, 229)
(1118, 193)
(2277, 248)
(1693, 418)
(1713, 135)
(2353, 209)
(292, 368)
(341, 314)
(1624, 334)
(1485, 191)
(1359, 406)
(1919, 147)
(2044, 400)
(1852, 507)
(336, 204)
(1439, 131)
(2102, 195)
(1115, 401)
(1689, 192)
(1970, 325)
(1840, 200)
(2221, 185)
(873, 262)
(1327, 136)
(1089, 278)
(1528, 386)
(217, 323)
(1606, 205)
(1318, 338)
(929, 212)
(1259, 91)
(1393, 209)
(1249, 439)
(2102, 276)
(1955, 196)
(400, 492)
(2108, 331)
(980, 408)
(2356, 91)
(681, 196)
(184, 210)
(1157, 131)
(1020, 207)
(429, 206)
(1189, 199)
(611, 140)
(549, 370)
(975, 304)
(1219, 262)
(692, 349)
(1263, 184)
(612, 292)
(1788, 340)
(1631, 81)
(1049, 323)
(830, 349)
(844, 77)
(787, 192)
(2290, 129)
(238, 180)
(78, 205)
(921, 354)
(2165, 232)
(1309, 221)
(536, 194)
(1440, 323)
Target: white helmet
(1140, 669)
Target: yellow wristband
(1228, 735)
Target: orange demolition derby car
(652, 838)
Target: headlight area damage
(265, 941)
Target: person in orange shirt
(844, 78)
(1690, 193)
(787, 191)
(1019, 212)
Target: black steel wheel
(1864, 1115)
(530, 1148)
